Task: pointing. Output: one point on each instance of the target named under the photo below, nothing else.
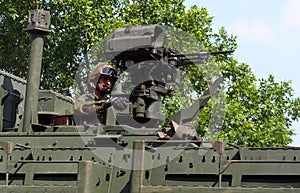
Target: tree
(75, 26)
(14, 47)
(258, 112)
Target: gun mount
(154, 70)
(53, 155)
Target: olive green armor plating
(43, 150)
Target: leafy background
(258, 112)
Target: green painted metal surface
(44, 156)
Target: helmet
(102, 69)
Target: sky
(268, 34)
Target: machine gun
(132, 45)
(179, 60)
(153, 68)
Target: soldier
(91, 107)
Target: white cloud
(252, 30)
(291, 13)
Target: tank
(42, 149)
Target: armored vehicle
(42, 149)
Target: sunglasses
(109, 71)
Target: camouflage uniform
(89, 107)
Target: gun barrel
(221, 52)
(199, 54)
(194, 58)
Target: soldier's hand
(119, 103)
(92, 106)
(87, 108)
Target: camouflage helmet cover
(102, 69)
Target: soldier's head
(102, 78)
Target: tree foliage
(14, 46)
(258, 112)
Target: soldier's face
(105, 84)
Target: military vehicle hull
(43, 150)
(62, 162)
